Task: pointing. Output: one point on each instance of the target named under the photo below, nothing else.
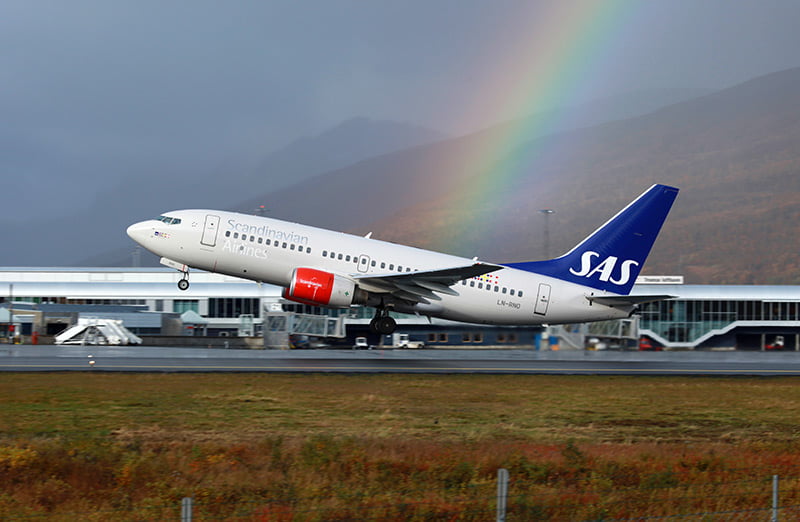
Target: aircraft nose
(139, 231)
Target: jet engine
(319, 288)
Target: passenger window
(511, 291)
(374, 263)
(260, 240)
(383, 265)
(308, 250)
(284, 245)
(347, 258)
(472, 283)
(496, 288)
(391, 266)
(235, 235)
(480, 285)
(268, 242)
(227, 233)
(291, 247)
(399, 268)
(339, 257)
(252, 238)
(519, 294)
(504, 289)
(300, 248)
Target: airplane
(319, 267)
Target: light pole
(546, 212)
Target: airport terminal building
(147, 300)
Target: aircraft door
(210, 231)
(542, 300)
(363, 264)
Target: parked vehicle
(645, 345)
(777, 344)
(401, 340)
(596, 344)
(361, 344)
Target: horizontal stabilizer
(627, 300)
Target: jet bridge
(617, 332)
(278, 326)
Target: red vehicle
(645, 345)
(777, 344)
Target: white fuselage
(269, 250)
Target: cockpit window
(168, 220)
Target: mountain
(372, 189)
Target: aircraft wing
(422, 286)
(627, 300)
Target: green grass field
(135, 444)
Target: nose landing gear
(183, 284)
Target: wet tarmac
(25, 358)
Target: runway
(157, 359)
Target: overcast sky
(97, 89)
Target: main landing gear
(382, 323)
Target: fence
(756, 496)
(750, 500)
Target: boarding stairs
(94, 331)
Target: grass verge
(315, 446)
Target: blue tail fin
(612, 256)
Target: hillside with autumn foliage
(735, 155)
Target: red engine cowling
(319, 288)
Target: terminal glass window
(233, 307)
(183, 305)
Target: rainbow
(569, 45)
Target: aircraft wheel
(373, 325)
(386, 325)
(183, 284)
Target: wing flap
(423, 286)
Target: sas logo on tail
(605, 269)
